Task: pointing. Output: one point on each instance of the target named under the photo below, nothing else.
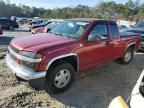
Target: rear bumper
(22, 72)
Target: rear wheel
(126, 59)
(60, 78)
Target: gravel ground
(94, 88)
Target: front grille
(14, 49)
(13, 57)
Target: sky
(50, 4)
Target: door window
(114, 31)
(99, 32)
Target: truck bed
(128, 34)
(129, 37)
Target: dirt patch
(23, 99)
(3, 50)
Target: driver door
(97, 48)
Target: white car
(137, 99)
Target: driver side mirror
(92, 38)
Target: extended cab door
(97, 47)
(117, 46)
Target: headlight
(31, 61)
(31, 55)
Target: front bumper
(22, 72)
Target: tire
(128, 56)
(59, 78)
(11, 28)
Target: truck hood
(40, 41)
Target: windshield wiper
(54, 33)
(70, 37)
(60, 34)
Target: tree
(132, 10)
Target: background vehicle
(137, 95)
(37, 24)
(50, 26)
(136, 98)
(34, 23)
(122, 27)
(138, 28)
(41, 24)
(44, 29)
(1, 31)
(13, 18)
(73, 45)
(8, 24)
(22, 21)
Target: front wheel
(60, 78)
(126, 59)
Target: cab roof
(91, 19)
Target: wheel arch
(71, 58)
(132, 45)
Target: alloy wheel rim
(62, 78)
(128, 56)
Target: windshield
(72, 29)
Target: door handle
(108, 43)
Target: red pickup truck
(72, 46)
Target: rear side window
(114, 31)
